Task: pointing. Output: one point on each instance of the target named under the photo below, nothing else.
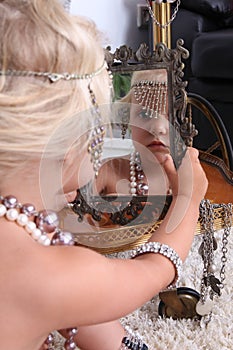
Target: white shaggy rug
(163, 334)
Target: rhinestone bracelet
(165, 250)
(133, 342)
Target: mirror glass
(131, 194)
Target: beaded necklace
(38, 225)
(137, 177)
(138, 184)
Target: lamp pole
(160, 12)
(161, 30)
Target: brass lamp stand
(161, 27)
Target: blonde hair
(39, 35)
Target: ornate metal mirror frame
(125, 234)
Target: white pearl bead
(30, 226)
(133, 190)
(22, 219)
(204, 309)
(12, 214)
(133, 178)
(213, 268)
(133, 184)
(44, 240)
(47, 242)
(2, 210)
(36, 233)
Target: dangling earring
(95, 146)
(124, 128)
(123, 115)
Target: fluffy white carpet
(161, 334)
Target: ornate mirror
(147, 85)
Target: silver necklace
(155, 19)
(211, 285)
(138, 186)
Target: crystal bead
(138, 168)
(47, 221)
(62, 238)
(140, 176)
(28, 209)
(69, 344)
(142, 189)
(10, 201)
(71, 332)
(49, 340)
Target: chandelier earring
(124, 122)
(124, 128)
(95, 147)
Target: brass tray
(118, 239)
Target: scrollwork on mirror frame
(123, 211)
(124, 59)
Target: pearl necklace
(45, 222)
(137, 186)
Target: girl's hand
(190, 179)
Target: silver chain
(210, 285)
(227, 227)
(165, 25)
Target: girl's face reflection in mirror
(149, 113)
(152, 133)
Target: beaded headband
(152, 96)
(54, 77)
(95, 146)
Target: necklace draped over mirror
(137, 184)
